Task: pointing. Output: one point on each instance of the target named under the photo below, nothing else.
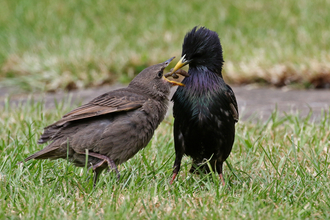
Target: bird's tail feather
(46, 153)
(49, 133)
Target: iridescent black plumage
(205, 110)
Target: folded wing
(114, 101)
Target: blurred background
(53, 45)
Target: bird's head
(201, 49)
(152, 81)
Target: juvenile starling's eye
(160, 74)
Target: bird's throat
(201, 80)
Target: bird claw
(117, 172)
(104, 159)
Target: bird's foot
(104, 159)
(173, 178)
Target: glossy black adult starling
(113, 127)
(205, 110)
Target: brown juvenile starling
(112, 127)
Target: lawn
(68, 44)
(278, 169)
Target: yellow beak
(173, 82)
(182, 62)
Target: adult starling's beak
(182, 62)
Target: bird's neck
(201, 78)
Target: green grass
(67, 44)
(278, 169)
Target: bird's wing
(114, 101)
(233, 103)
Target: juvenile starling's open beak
(167, 62)
(182, 62)
(174, 83)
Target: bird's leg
(219, 170)
(104, 159)
(222, 179)
(176, 167)
(99, 164)
(173, 177)
(96, 176)
(96, 171)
